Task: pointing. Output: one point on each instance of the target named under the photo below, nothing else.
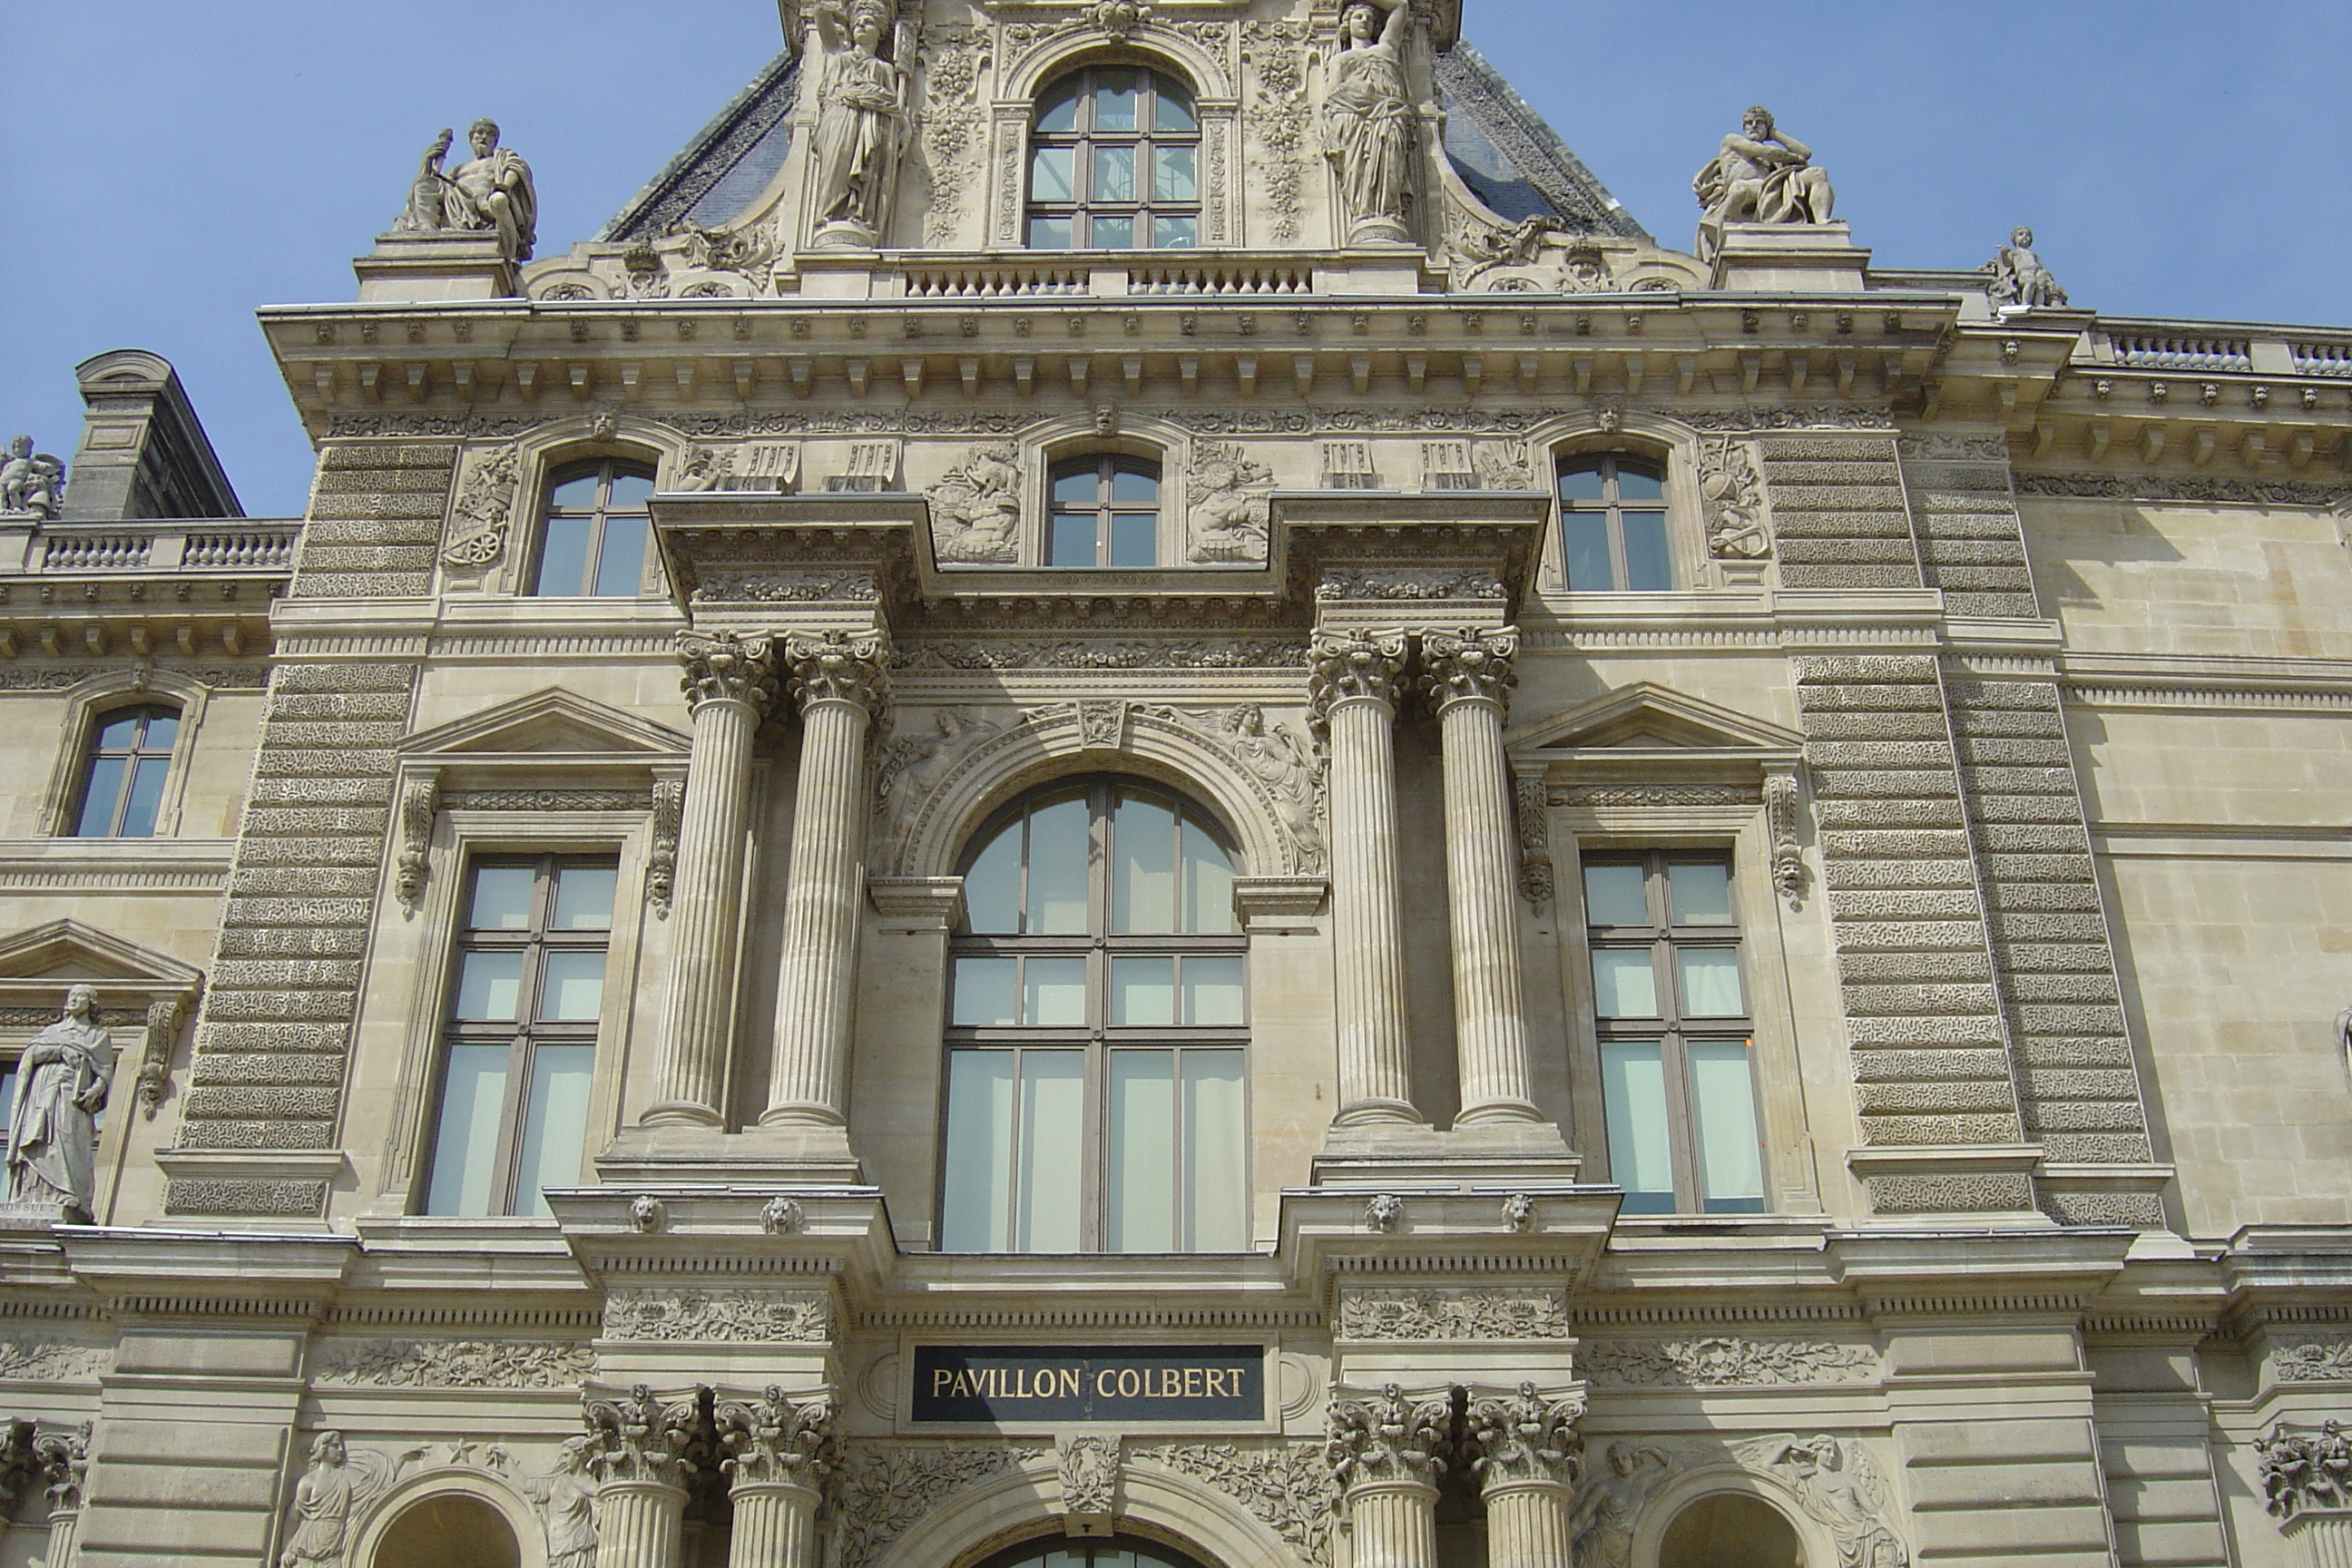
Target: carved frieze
(1724, 1362)
(2190, 488)
(1463, 1313)
(1408, 583)
(452, 1363)
(31, 1359)
(1655, 794)
(787, 587)
(1289, 1487)
(719, 1317)
(2313, 1360)
(548, 800)
(884, 1489)
(1074, 653)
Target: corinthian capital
(1388, 1438)
(772, 1440)
(1526, 1436)
(721, 666)
(840, 666)
(1346, 666)
(1469, 665)
(636, 1437)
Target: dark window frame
(600, 515)
(1612, 509)
(95, 753)
(1090, 1551)
(1085, 138)
(1107, 509)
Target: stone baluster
(1388, 1452)
(637, 1449)
(1466, 678)
(842, 682)
(65, 1466)
(1526, 1453)
(778, 1455)
(730, 681)
(1354, 689)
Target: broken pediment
(551, 724)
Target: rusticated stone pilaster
(1838, 509)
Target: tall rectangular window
(526, 996)
(1677, 1042)
(123, 776)
(1613, 523)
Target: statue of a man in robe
(61, 1084)
(492, 192)
(1760, 176)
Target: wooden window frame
(1612, 509)
(93, 752)
(1082, 140)
(600, 514)
(1107, 509)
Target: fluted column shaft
(1467, 678)
(1395, 1525)
(730, 681)
(640, 1524)
(842, 682)
(1354, 688)
(2320, 1540)
(775, 1526)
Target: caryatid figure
(861, 119)
(1367, 121)
(1760, 176)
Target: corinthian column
(1388, 1453)
(1354, 690)
(65, 1465)
(636, 1447)
(842, 681)
(1526, 1452)
(1467, 680)
(729, 681)
(778, 1455)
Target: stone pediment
(1648, 718)
(551, 723)
(62, 952)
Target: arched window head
(596, 538)
(1613, 523)
(1105, 512)
(123, 776)
(1098, 1032)
(1112, 1552)
(1114, 163)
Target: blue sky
(166, 167)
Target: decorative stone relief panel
(452, 1363)
(719, 1317)
(485, 506)
(32, 1359)
(885, 1488)
(1431, 1312)
(2313, 1360)
(1289, 1487)
(1724, 1362)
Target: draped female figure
(862, 108)
(1367, 121)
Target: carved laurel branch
(884, 1489)
(1469, 1315)
(1726, 1362)
(453, 1363)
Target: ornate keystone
(1526, 1436)
(721, 666)
(638, 1439)
(1090, 1474)
(840, 666)
(1348, 667)
(1388, 1438)
(773, 1441)
(1469, 665)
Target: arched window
(595, 539)
(1105, 512)
(123, 775)
(1096, 1084)
(1114, 163)
(1613, 523)
(1115, 1552)
(1730, 1531)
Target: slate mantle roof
(1502, 148)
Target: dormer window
(1106, 513)
(1114, 163)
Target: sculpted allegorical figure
(1601, 1525)
(1760, 176)
(1367, 121)
(976, 508)
(338, 1485)
(31, 481)
(861, 117)
(492, 192)
(1230, 511)
(62, 1086)
(567, 1502)
(1838, 1488)
(2018, 277)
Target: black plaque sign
(1010, 1383)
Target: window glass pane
(1173, 108)
(1633, 1098)
(1585, 536)
(119, 734)
(1581, 479)
(577, 494)
(1056, 992)
(1131, 484)
(1614, 895)
(501, 898)
(991, 888)
(1115, 100)
(1114, 233)
(1057, 867)
(1140, 1206)
(1216, 1154)
(489, 986)
(1114, 169)
(1058, 110)
(8, 1093)
(1143, 864)
(1213, 991)
(1080, 488)
(1647, 569)
(162, 730)
(1073, 540)
(1710, 982)
(584, 896)
(100, 800)
(574, 991)
(1174, 233)
(621, 567)
(1208, 884)
(1143, 991)
(1730, 1158)
(563, 556)
(630, 493)
(1702, 892)
(555, 1124)
(1640, 481)
(983, 993)
(1173, 178)
(1134, 539)
(1049, 233)
(465, 1135)
(1623, 984)
(1052, 171)
(976, 1185)
(1053, 1158)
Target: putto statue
(1368, 122)
(1760, 176)
(31, 483)
(2018, 277)
(861, 123)
(490, 194)
(61, 1084)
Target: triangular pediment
(1645, 717)
(551, 723)
(66, 950)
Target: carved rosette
(1469, 665)
(721, 666)
(1388, 1439)
(840, 666)
(638, 1439)
(1354, 667)
(775, 1441)
(1526, 1437)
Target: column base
(1510, 1113)
(1381, 1114)
(1502, 1153)
(673, 1154)
(679, 1114)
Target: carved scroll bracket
(1783, 803)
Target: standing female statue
(861, 114)
(1368, 122)
(61, 1083)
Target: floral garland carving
(453, 1363)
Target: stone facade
(1998, 666)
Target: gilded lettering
(1193, 1383)
(1106, 1382)
(942, 1379)
(1067, 1382)
(1130, 1383)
